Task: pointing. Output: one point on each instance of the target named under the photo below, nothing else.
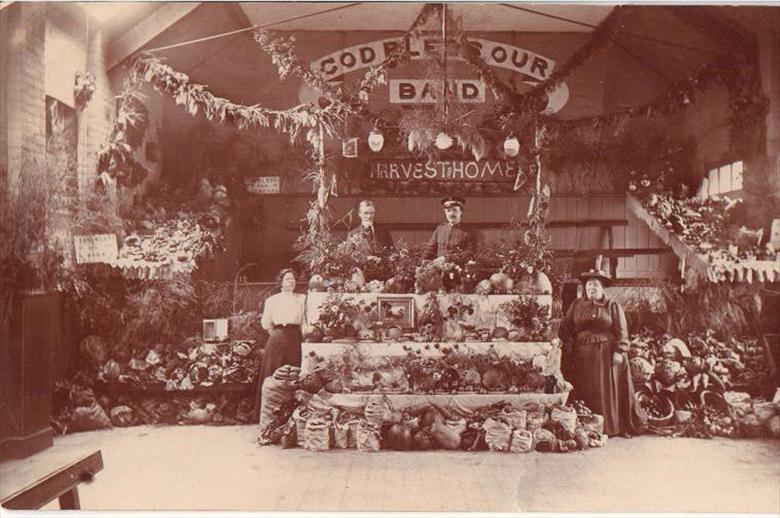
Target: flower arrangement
(527, 314)
(338, 315)
(404, 259)
(432, 318)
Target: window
(725, 179)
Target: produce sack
(341, 433)
(535, 420)
(581, 438)
(289, 435)
(122, 415)
(301, 415)
(317, 436)
(765, 411)
(565, 416)
(473, 439)
(597, 440)
(544, 440)
(367, 437)
(92, 417)
(81, 395)
(517, 419)
(774, 426)
(592, 423)
(274, 394)
(522, 441)
(566, 446)
(497, 435)
(375, 410)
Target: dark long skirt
(605, 388)
(283, 347)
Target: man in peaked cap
(451, 237)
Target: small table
(62, 484)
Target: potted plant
(337, 317)
(31, 271)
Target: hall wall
(610, 80)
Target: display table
(699, 265)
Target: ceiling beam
(159, 20)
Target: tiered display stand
(487, 315)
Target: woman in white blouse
(283, 316)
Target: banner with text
(445, 170)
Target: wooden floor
(213, 468)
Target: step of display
(539, 352)
(486, 307)
(392, 367)
(462, 404)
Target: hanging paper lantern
(511, 146)
(376, 140)
(443, 141)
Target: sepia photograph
(390, 257)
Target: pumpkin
(393, 285)
(422, 440)
(499, 333)
(500, 282)
(514, 335)
(447, 434)
(394, 333)
(483, 287)
(399, 437)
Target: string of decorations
(532, 100)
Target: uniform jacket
(447, 240)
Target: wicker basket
(661, 401)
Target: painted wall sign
(534, 67)
(263, 185)
(98, 248)
(445, 170)
(426, 91)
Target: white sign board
(98, 248)
(263, 185)
(425, 91)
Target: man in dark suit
(368, 238)
(451, 237)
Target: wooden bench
(62, 484)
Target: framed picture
(349, 147)
(396, 310)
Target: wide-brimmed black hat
(453, 201)
(596, 274)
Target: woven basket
(664, 402)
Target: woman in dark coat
(595, 360)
